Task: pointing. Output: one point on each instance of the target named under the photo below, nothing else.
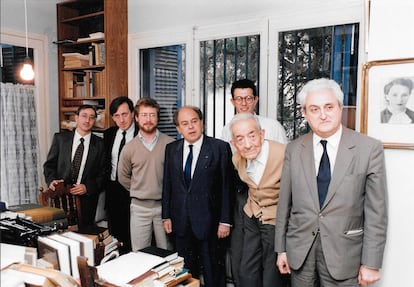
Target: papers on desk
(127, 267)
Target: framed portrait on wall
(387, 110)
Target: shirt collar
(129, 130)
(196, 144)
(262, 156)
(332, 140)
(157, 134)
(78, 136)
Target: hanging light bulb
(27, 73)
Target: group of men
(312, 212)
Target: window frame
(289, 22)
(267, 27)
(40, 55)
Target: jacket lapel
(202, 161)
(308, 166)
(179, 150)
(92, 155)
(345, 156)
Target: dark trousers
(118, 213)
(258, 263)
(202, 256)
(236, 240)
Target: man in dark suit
(117, 198)
(331, 221)
(87, 181)
(198, 178)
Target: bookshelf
(92, 57)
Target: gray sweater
(140, 170)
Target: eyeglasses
(86, 116)
(148, 115)
(248, 99)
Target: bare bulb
(27, 72)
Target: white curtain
(19, 144)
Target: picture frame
(395, 130)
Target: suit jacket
(206, 202)
(58, 165)
(353, 219)
(109, 138)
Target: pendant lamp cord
(25, 23)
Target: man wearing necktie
(332, 213)
(198, 178)
(76, 159)
(259, 164)
(117, 198)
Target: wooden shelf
(77, 19)
(89, 68)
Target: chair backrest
(63, 199)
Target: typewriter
(21, 231)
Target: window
(12, 58)
(163, 78)
(306, 54)
(222, 62)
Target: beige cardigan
(263, 198)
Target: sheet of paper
(123, 269)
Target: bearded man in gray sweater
(140, 170)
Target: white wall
(41, 19)
(391, 37)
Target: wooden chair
(62, 198)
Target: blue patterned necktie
(187, 167)
(324, 175)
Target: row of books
(96, 54)
(75, 60)
(78, 102)
(84, 84)
(62, 250)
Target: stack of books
(104, 242)
(75, 60)
(151, 266)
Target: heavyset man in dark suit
(87, 184)
(333, 236)
(117, 197)
(198, 212)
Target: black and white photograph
(388, 102)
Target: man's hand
(78, 189)
(282, 263)
(54, 183)
(167, 225)
(368, 276)
(223, 231)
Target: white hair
(320, 84)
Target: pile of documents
(145, 268)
